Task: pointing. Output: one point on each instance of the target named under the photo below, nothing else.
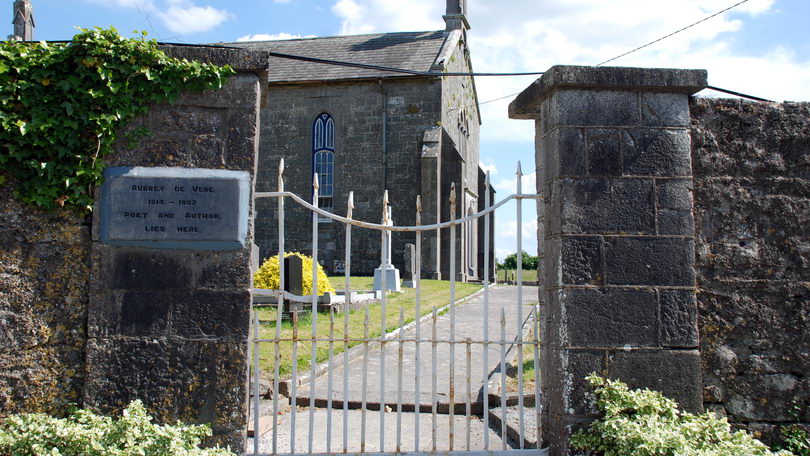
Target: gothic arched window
(323, 158)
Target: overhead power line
(368, 66)
(424, 73)
(738, 94)
(673, 33)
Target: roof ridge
(312, 38)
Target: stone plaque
(175, 208)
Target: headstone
(387, 269)
(293, 275)
(175, 208)
(410, 266)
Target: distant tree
(510, 262)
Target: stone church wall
(461, 124)
(751, 165)
(460, 117)
(411, 106)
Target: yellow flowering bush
(267, 275)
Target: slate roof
(409, 50)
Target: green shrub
(267, 275)
(796, 439)
(645, 423)
(84, 433)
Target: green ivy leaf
(68, 102)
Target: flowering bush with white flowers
(84, 433)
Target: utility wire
(435, 73)
(419, 73)
(673, 33)
(368, 66)
(738, 94)
(486, 102)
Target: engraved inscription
(136, 216)
(180, 207)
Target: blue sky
(759, 47)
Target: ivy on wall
(62, 104)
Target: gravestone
(293, 275)
(387, 272)
(410, 265)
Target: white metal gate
(391, 408)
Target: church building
(366, 130)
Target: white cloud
(273, 37)
(369, 16)
(591, 31)
(489, 166)
(184, 17)
(147, 5)
(179, 16)
(508, 186)
(506, 236)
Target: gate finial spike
(385, 208)
(350, 205)
(486, 182)
(281, 175)
(315, 184)
(418, 209)
(519, 171)
(452, 200)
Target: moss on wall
(44, 264)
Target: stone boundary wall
(751, 167)
(97, 325)
(44, 268)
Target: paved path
(468, 324)
(355, 442)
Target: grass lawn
(528, 371)
(529, 275)
(435, 293)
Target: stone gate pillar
(172, 257)
(617, 236)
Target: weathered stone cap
(241, 60)
(527, 104)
